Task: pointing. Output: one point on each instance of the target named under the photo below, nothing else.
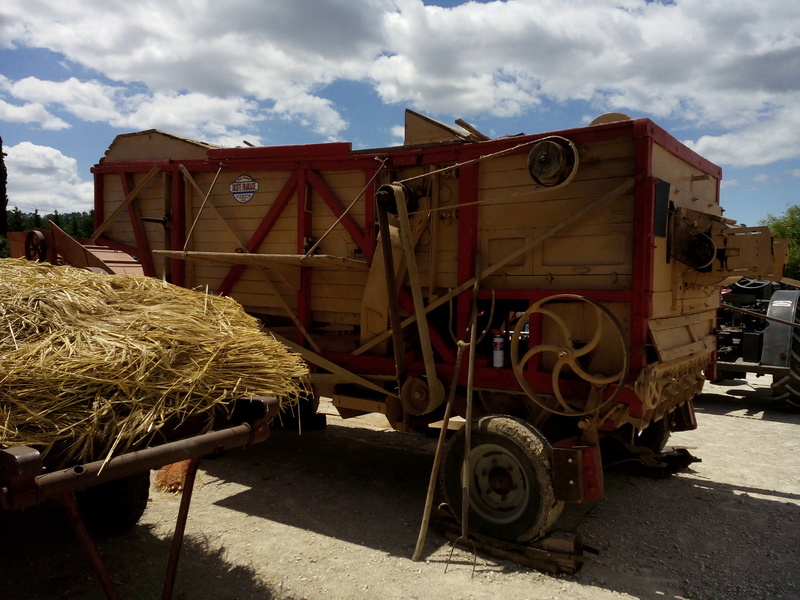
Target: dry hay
(93, 365)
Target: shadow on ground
(41, 559)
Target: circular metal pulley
(35, 246)
(387, 196)
(418, 398)
(553, 162)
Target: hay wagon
(557, 291)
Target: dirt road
(334, 514)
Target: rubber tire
(116, 506)
(516, 443)
(787, 388)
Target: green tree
(788, 226)
(3, 191)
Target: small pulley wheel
(418, 398)
(553, 162)
(35, 246)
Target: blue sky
(722, 76)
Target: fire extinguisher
(498, 349)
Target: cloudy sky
(721, 75)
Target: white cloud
(40, 177)
(33, 113)
(87, 100)
(192, 115)
(209, 69)
(763, 142)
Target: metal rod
(79, 527)
(760, 315)
(437, 457)
(180, 528)
(202, 206)
(54, 485)
(466, 475)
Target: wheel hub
(500, 491)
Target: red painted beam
(261, 232)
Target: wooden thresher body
(592, 258)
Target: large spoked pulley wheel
(35, 246)
(598, 333)
(511, 492)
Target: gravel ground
(334, 514)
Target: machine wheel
(571, 354)
(786, 388)
(511, 491)
(115, 506)
(35, 246)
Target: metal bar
(466, 473)
(180, 528)
(760, 315)
(79, 527)
(54, 485)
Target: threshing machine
(553, 289)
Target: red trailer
(553, 289)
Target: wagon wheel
(571, 354)
(35, 246)
(511, 494)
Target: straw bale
(92, 365)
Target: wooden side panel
(150, 205)
(595, 253)
(689, 188)
(227, 225)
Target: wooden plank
(128, 199)
(662, 323)
(708, 343)
(296, 260)
(332, 367)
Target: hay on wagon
(93, 364)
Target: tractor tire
(511, 490)
(786, 388)
(116, 506)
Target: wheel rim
(500, 492)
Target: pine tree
(3, 192)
